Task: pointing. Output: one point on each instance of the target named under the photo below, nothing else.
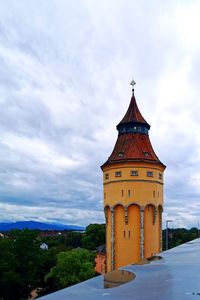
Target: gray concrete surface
(174, 277)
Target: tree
(94, 236)
(19, 265)
(73, 239)
(179, 236)
(72, 267)
(9, 280)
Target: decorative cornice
(133, 180)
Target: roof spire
(133, 120)
(132, 83)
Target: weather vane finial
(132, 83)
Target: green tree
(179, 236)
(94, 236)
(73, 239)
(19, 265)
(72, 267)
(9, 280)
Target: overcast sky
(65, 70)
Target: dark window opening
(149, 174)
(121, 154)
(134, 173)
(106, 176)
(145, 153)
(118, 174)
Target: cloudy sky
(65, 69)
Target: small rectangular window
(124, 234)
(160, 176)
(106, 176)
(129, 193)
(146, 153)
(154, 194)
(149, 174)
(118, 174)
(134, 173)
(122, 193)
(121, 154)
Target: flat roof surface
(175, 276)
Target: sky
(65, 72)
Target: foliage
(94, 236)
(19, 265)
(179, 236)
(74, 239)
(72, 267)
(23, 265)
(68, 240)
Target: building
(44, 246)
(100, 260)
(133, 193)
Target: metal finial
(133, 83)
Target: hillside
(32, 225)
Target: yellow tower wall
(132, 235)
(127, 236)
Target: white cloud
(45, 214)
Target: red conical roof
(133, 115)
(133, 143)
(131, 147)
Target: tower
(133, 193)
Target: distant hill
(38, 225)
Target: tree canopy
(72, 267)
(94, 236)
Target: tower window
(154, 194)
(106, 176)
(118, 174)
(129, 234)
(149, 174)
(160, 176)
(134, 173)
(129, 193)
(124, 233)
(121, 154)
(146, 153)
(122, 193)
